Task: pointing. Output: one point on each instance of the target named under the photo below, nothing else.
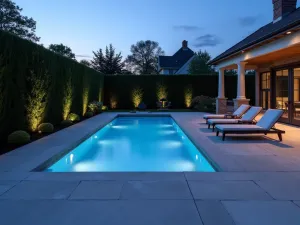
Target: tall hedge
(118, 89)
(37, 85)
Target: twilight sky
(87, 25)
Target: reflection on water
(135, 144)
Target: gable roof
(177, 60)
(262, 34)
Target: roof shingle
(263, 33)
(177, 60)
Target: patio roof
(264, 33)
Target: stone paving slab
(227, 190)
(97, 190)
(40, 190)
(263, 212)
(6, 185)
(287, 190)
(256, 176)
(213, 213)
(156, 190)
(47, 212)
(47, 176)
(14, 175)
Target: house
(178, 63)
(273, 51)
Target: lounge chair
(247, 118)
(237, 114)
(264, 126)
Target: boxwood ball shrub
(73, 117)
(88, 114)
(18, 137)
(46, 128)
(104, 108)
(66, 123)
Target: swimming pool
(135, 144)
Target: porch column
(221, 84)
(221, 102)
(241, 86)
(257, 85)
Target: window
(265, 90)
(171, 72)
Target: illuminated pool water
(135, 144)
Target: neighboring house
(273, 51)
(178, 63)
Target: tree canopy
(199, 64)
(62, 50)
(12, 21)
(143, 58)
(109, 63)
(85, 62)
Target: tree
(230, 73)
(62, 50)
(85, 62)
(12, 21)
(199, 64)
(143, 58)
(108, 63)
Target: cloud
(207, 40)
(186, 28)
(248, 20)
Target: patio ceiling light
(289, 32)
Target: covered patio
(273, 53)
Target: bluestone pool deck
(258, 183)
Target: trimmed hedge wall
(37, 85)
(118, 89)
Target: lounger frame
(271, 131)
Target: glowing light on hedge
(188, 96)
(85, 99)
(137, 96)
(67, 101)
(113, 102)
(161, 91)
(37, 98)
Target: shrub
(19, 137)
(204, 103)
(95, 107)
(104, 108)
(73, 117)
(45, 128)
(66, 123)
(88, 114)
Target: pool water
(135, 144)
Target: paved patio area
(258, 183)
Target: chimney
(184, 44)
(282, 7)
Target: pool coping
(52, 160)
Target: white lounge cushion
(239, 128)
(222, 121)
(241, 110)
(214, 116)
(238, 113)
(269, 119)
(251, 113)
